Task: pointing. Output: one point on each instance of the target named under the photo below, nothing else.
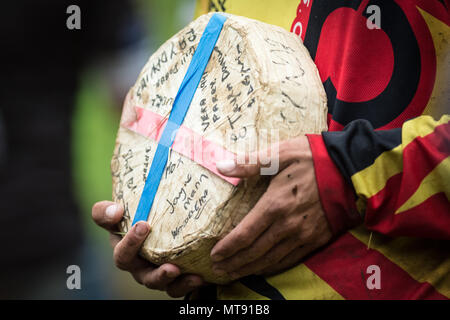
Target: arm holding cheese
(286, 224)
(393, 181)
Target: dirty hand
(287, 222)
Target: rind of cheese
(259, 87)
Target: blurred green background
(95, 124)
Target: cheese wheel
(259, 87)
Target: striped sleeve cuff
(336, 195)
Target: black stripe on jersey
(443, 3)
(205, 293)
(358, 145)
(262, 287)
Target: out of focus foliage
(95, 124)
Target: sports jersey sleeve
(395, 181)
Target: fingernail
(226, 165)
(111, 211)
(172, 273)
(141, 229)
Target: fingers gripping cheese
(259, 87)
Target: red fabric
(344, 38)
(336, 195)
(436, 8)
(352, 257)
(429, 219)
(427, 61)
(420, 157)
(356, 79)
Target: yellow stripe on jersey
(388, 164)
(280, 13)
(300, 283)
(438, 180)
(425, 260)
(372, 179)
(201, 7)
(297, 283)
(420, 127)
(440, 32)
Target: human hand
(166, 277)
(287, 222)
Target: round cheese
(259, 87)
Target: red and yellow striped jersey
(383, 168)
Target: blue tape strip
(179, 109)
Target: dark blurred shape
(41, 64)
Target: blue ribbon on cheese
(180, 107)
